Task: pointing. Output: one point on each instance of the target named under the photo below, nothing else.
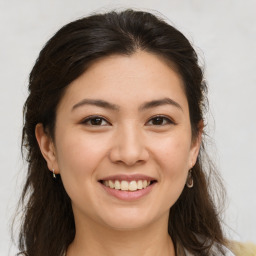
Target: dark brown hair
(48, 222)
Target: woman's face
(124, 124)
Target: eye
(160, 121)
(95, 121)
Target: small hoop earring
(190, 181)
(53, 174)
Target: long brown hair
(48, 222)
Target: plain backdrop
(224, 35)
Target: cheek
(173, 154)
(78, 153)
(173, 158)
(173, 161)
(78, 157)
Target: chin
(128, 221)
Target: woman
(114, 125)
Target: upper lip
(130, 177)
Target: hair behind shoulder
(48, 224)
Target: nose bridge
(129, 146)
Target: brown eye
(160, 120)
(95, 121)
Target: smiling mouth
(125, 185)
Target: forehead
(123, 79)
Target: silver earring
(53, 174)
(190, 181)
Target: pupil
(96, 121)
(158, 121)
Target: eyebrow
(144, 106)
(160, 102)
(98, 103)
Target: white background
(224, 34)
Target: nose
(129, 147)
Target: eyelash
(166, 120)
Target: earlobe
(46, 146)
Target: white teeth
(144, 183)
(133, 185)
(106, 183)
(126, 185)
(111, 184)
(117, 184)
(139, 184)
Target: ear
(47, 147)
(196, 144)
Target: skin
(129, 140)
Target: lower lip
(128, 195)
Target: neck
(97, 240)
